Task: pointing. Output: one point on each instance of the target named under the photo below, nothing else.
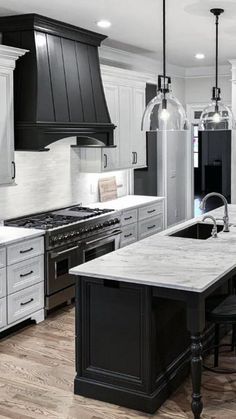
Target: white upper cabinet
(8, 57)
(125, 96)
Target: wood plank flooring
(37, 370)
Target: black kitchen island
(140, 317)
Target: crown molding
(136, 62)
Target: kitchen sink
(200, 231)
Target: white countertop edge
(79, 272)
(10, 235)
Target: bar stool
(224, 312)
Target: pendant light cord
(164, 41)
(217, 48)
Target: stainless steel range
(73, 235)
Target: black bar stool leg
(217, 341)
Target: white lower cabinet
(25, 302)
(139, 223)
(21, 282)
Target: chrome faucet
(225, 218)
(214, 228)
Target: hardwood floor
(37, 373)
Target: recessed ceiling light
(200, 56)
(104, 24)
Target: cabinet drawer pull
(28, 273)
(14, 170)
(128, 235)
(105, 160)
(150, 211)
(150, 227)
(27, 302)
(27, 250)
(128, 218)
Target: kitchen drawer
(129, 235)
(3, 257)
(3, 282)
(24, 274)
(24, 250)
(150, 210)
(25, 302)
(3, 312)
(129, 217)
(150, 226)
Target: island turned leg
(196, 373)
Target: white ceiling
(137, 25)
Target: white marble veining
(9, 235)
(170, 262)
(128, 202)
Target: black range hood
(58, 87)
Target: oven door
(59, 261)
(102, 244)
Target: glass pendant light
(216, 116)
(164, 112)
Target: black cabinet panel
(72, 81)
(56, 64)
(85, 82)
(45, 108)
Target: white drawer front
(3, 282)
(3, 312)
(150, 211)
(129, 234)
(25, 302)
(151, 226)
(24, 274)
(24, 250)
(3, 257)
(129, 217)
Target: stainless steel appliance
(73, 235)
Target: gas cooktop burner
(57, 218)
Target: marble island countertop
(9, 235)
(170, 262)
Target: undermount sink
(200, 231)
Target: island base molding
(147, 403)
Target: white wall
(199, 89)
(47, 180)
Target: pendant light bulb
(164, 112)
(216, 118)
(164, 115)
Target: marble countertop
(170, 262)
(9, 235)
(127, 202)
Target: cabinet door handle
(27, 250)
(150, 211)
(150, 227)
(27, 302)
(14, 169)
(128, 235)
(105, 160)
(128, 218)
(133, 157)
(28, 273)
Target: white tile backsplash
(47, 180)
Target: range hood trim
(34, 21)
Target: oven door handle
(114, 233)
(63, 252)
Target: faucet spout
(225, 202)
